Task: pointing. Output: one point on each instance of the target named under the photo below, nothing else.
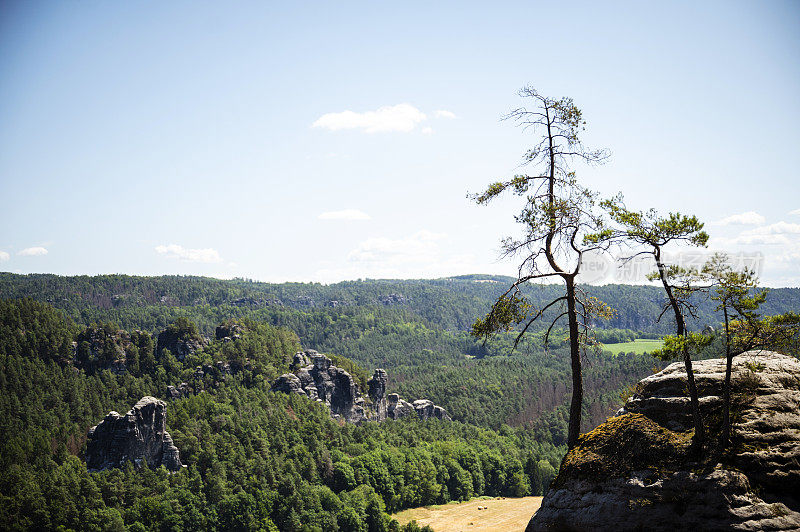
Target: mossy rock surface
(622, 444)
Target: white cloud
(782, 267)
(796, 211)
(346, 214)
(402, 117)
(788, 257)
(419, 247)
(755, 239)
(441, 113)
(745, 218)
(779, 228)
(778, 234)
(4, 256)
(427, 131)
(418, 256)
(33, 252)
(174, 251)
(422, 255)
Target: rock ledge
(633, 472)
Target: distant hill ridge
(450, 303)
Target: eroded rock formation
(635, 472)
(140, 436)
(317, 378)
(398, 408)
(102, 347)
(377, 393)
(180, 342)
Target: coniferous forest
(74, 348)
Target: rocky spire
(140, 436)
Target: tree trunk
(577, 378)
(726, 412)
(699, 431)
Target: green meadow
(642, 345)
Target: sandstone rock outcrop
(301, 359)
(426, 409)
(635, 471)
(423, 408)
(317, 378)
(140, 436)
(228, 331)
(377, 393)
(398, 408)
(176, 392)
(289, 383)
(766, 388)
(322, 381)
(181, 340)
(392, 299)
(102, 347)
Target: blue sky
(212, 139)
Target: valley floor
(506, 514)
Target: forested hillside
(83, 346)
(257, 460)
(415, 329)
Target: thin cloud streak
(36, 251)
(175, 251)
(745, 218)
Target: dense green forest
(257, 460)
(74, 348)
(414, 329)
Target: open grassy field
(641, 345)
(501, 514)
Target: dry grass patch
(506, 514)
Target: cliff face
(634, 472)
(139, 436)
(317, 378)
